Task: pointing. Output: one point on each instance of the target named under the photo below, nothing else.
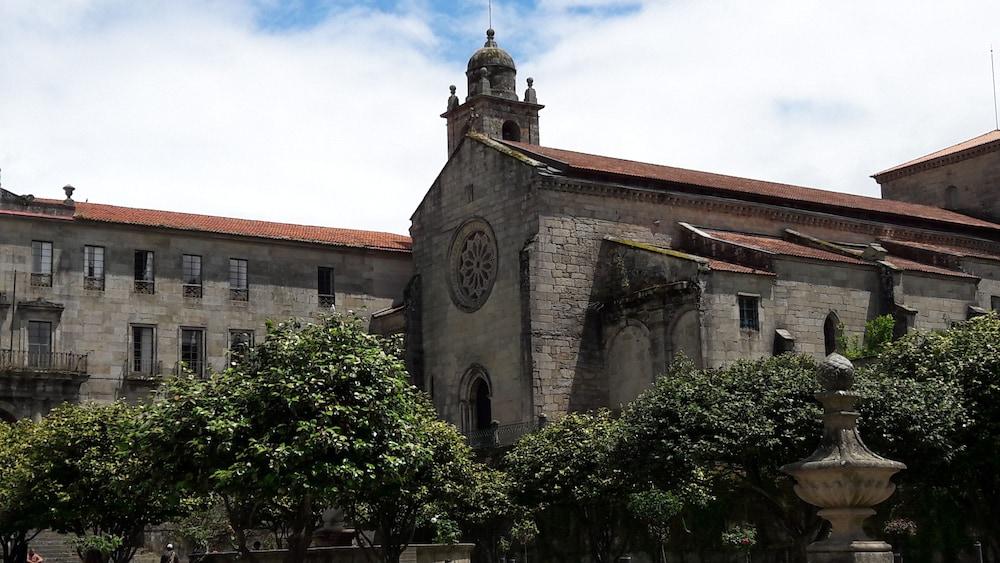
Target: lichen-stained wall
(282, 285)
(477, 182)
(940, 301)
(798, 299)
(989, 284)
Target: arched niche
(685, 337)
(629, 363)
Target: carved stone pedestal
(843, 477)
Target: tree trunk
(300, 532)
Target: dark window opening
(143, 272)
(193, 350)
(511, 131)
(326, 289)
(749, 314)
(240, 343)
(93, 267)
(238, 283)
(482, 409)
(831, 333)
(41, 263)
(143, 350)
(995, 302)
(39, 344)
(191, 275)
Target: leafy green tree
(570, 467)
(724, 434)
(938, 410)
(656, 509)
(430, 483)
(314, 413)
(490, 511)
(101, 484)
(22, 512)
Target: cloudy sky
(326, 111)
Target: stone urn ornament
(843, 477)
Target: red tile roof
(913, 266)
(782, 247)
(241, 227)
(947, 249)
(582, 162)
(986, 141)
(719, 265)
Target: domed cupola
(492, 107)
(499, 78)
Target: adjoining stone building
(549, 280)
(97, 302)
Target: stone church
(548, 280)
(537, 280)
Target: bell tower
(492, 106)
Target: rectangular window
(749, 311)
(144, 350)
(326, 288)
(191, 275)
(41, 263)
(238, 287)
(39, 344)
(240, 343)
(995, 302)
(145, 280)
(93, 268)
(193, 350)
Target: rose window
(473, 264)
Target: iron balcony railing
(144, 369)
(502, 435)
(45, 362)
(193, 290)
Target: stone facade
(608, 270)
(97, 320)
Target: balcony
(93, 283)
(145, 287)
(327, 301)
(144, 370)
(43, 362)
(502, 435)
(192, 290)
(41, 280)
(239, 294)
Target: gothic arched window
(477, 399)
(831, 332)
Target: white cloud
(190, 106)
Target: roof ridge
(725, 184)
(225, 217)
(954, 148)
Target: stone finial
(68, 189)
(484, 82)
(843, 477)
(836, 373)
(453, 99)
(529, 95)
(490, 42)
